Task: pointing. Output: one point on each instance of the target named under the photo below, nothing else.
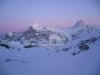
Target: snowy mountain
(46, 51)
(8, 36)
(81, 28)
(37, 35)
(79, 23)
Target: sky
(16, 15)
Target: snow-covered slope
(82, 35)
(45, 51)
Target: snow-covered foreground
(42, 61)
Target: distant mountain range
(36, 35)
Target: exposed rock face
(38, 35)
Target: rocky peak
(80, 23)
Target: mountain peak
(36, 26)
(80, 23)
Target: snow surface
(42, 61)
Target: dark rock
(65, 49)
(23, 61)
(9, 60)
(5, 45)
(30, 46)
